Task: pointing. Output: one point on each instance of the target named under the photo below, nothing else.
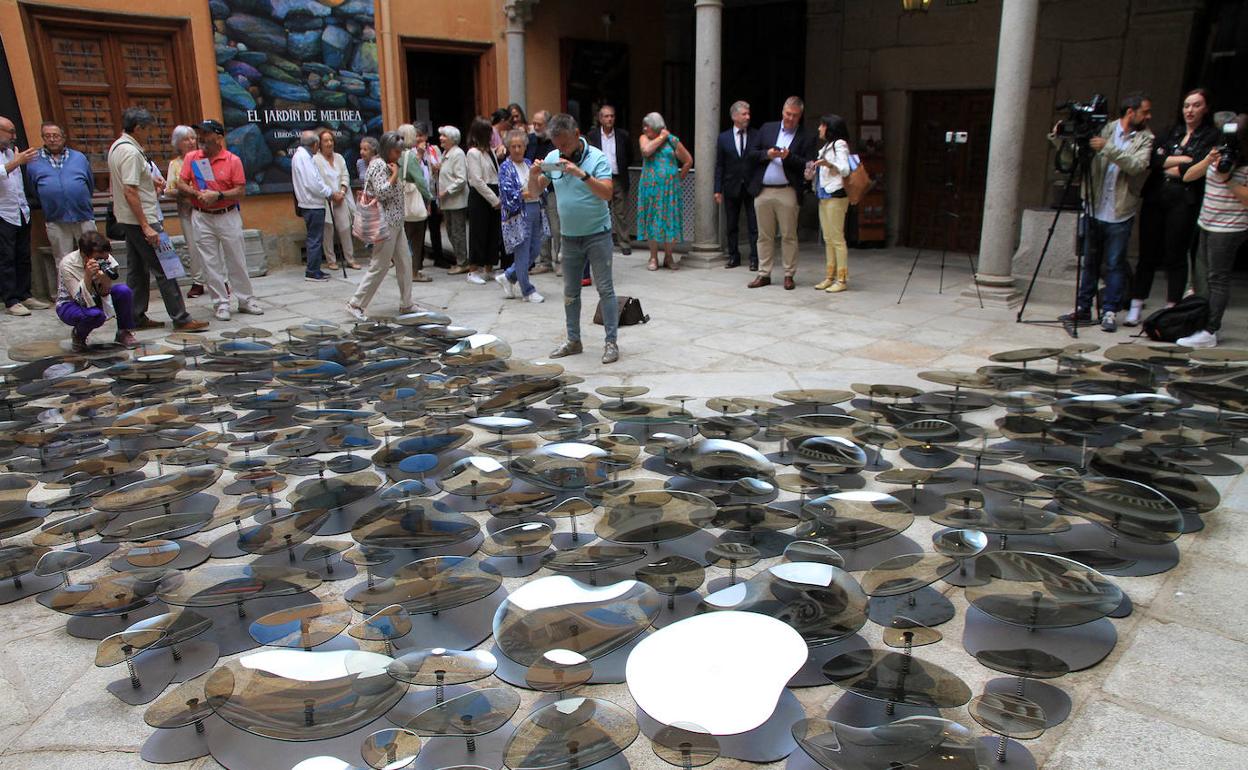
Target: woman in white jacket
(333, 169)
(832, 165)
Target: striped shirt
(1221, 211)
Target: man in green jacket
(1119, 169)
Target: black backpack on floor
(1171, 324)
(630, 312)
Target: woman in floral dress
(659, 211)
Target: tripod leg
(974, 278)
(907, 283)
(940, 287)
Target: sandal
(353, 265)
(654, 264)
(671, 264)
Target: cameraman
(1222, 225)
(87, 295)
(1119, 170)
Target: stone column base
(704, 255)
(997, 291)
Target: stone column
(1005, 152)
(706, 250)
(519, 13)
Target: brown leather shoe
(191, 326)
(789, 283)
(147, 323)
(196, 290)
(759, 282)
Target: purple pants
(87, 319)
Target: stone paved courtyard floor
(1170, 695)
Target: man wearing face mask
(539, 147)
(59, 181)
(1119, 170)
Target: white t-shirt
(1221, 211)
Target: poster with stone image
(288, 65)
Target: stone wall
(1109, 46)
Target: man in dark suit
(732, 175)
(779, 153)
(616, 145)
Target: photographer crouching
(1119, 168)
(89, 292)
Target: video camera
(1228, 150)
(1084, 121)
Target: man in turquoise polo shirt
(581, 176)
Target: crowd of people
(522, 196)
(1189, 191)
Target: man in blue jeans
(1119, 169)
(581, 176)
(311, 194)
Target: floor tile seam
(1195, 725)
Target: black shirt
(1203, 139)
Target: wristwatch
(220, 196)
(584, 175)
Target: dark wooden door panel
(945, 198)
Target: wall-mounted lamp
(915, 5)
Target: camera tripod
(1081, 169)
(952, 140)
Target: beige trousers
(832, 223)
(193, 263)
(223, 252)
(63, 237)
(392, 250)
(776, 210)
(338, 219)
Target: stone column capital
(519, 13)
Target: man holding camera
(1118, 172)
(89, 292)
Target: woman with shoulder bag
(523, 220)
(1222, 227)
(379, 221)
(831, 167)
(416, 199)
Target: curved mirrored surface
(654, 516)
(918, 742)
(570, 734)
(854, 519)
(897, 678)
(719, 460)
(1041, 590)
(821, 602)
(431, 585)
(474, 713)
(438, 665)
(558, 612)
(293, 695)
(162, 490)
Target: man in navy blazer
(616, 145)
(733, 169)
(779, 152)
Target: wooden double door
(946, 180)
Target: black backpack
(1171, 324)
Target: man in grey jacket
(1119, 169)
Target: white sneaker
(222, 313)
(1201, 339)
(356, 313)
(1133, 314)
(509, 288)
(475, 277)
(250, 307)
(535, 298)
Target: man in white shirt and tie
(732, 176)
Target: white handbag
(414, 209)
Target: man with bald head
(539, 147)
(14, 224)
(60, 181)
(311, 194)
